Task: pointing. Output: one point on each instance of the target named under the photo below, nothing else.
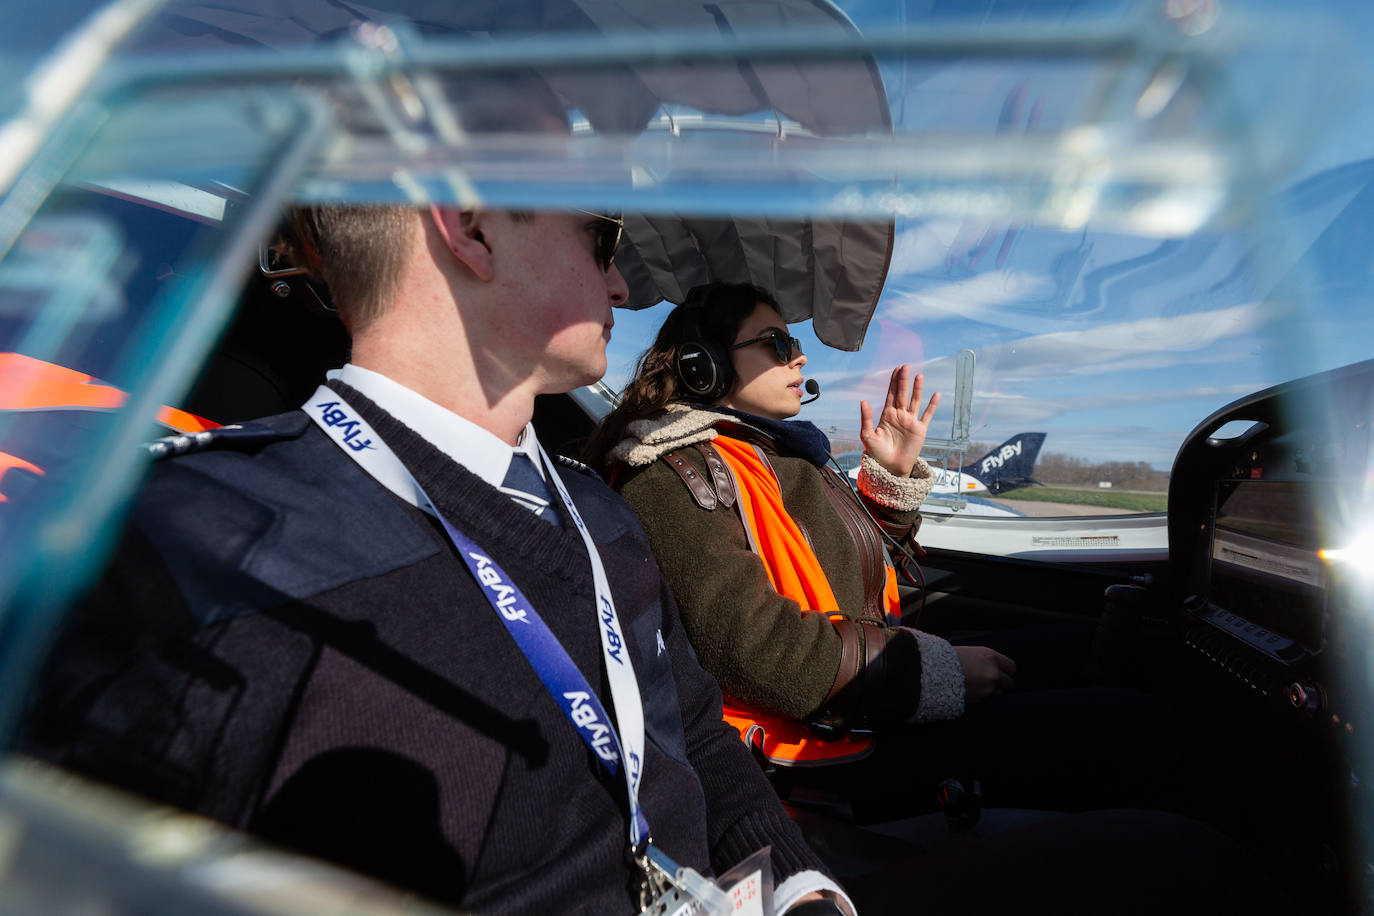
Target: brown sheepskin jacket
(764, 650)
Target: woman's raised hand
(895, 442)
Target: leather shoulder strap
(851, 656)
(862, 673)
(875, 641)
(701, 490)
(872, 558)
(721, 489)
(720, 475)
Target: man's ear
(461, 231)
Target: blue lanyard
(541, 648)
(553, 665)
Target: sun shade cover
(828, 268)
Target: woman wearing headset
(785, 587)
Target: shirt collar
(480, 451)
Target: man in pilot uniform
(323, 646)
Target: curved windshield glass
(1090, 224)
(1087, 353)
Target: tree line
(1053, 468)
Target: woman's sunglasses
(607, 237)
(784, 347)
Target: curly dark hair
(721, 309)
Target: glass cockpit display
(1266, 565)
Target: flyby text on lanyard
(623, 752)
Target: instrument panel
(1271, 510)
(1263, 497)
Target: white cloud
(974, 298)
(1215, 337)
(1003, 411)
(921, 247)
(997, 415)
(1149, 343)
(844, 390)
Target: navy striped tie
(524, 485)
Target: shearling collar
(653, 437)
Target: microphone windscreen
(813, 386)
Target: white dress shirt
(480, 451)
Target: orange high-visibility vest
(796, 573)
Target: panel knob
(1306, 698)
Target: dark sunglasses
(784, 347)
(608, 235)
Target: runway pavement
(1044, 509)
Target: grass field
(1135, 502)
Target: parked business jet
(1006, 467)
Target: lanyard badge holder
(668, 889)
(674, 890)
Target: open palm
(895, 441)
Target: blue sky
(1116, 345)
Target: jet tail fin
(1009, 465)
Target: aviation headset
(702, 364)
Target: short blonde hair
(358, 252)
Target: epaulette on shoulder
(575, 465)
(238, 435)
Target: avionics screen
(1265, 565)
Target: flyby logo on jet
(351, 429)
(1001, 456)
(1004, 467)
(505, 594)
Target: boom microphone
(813, 388)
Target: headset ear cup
(703, 367)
